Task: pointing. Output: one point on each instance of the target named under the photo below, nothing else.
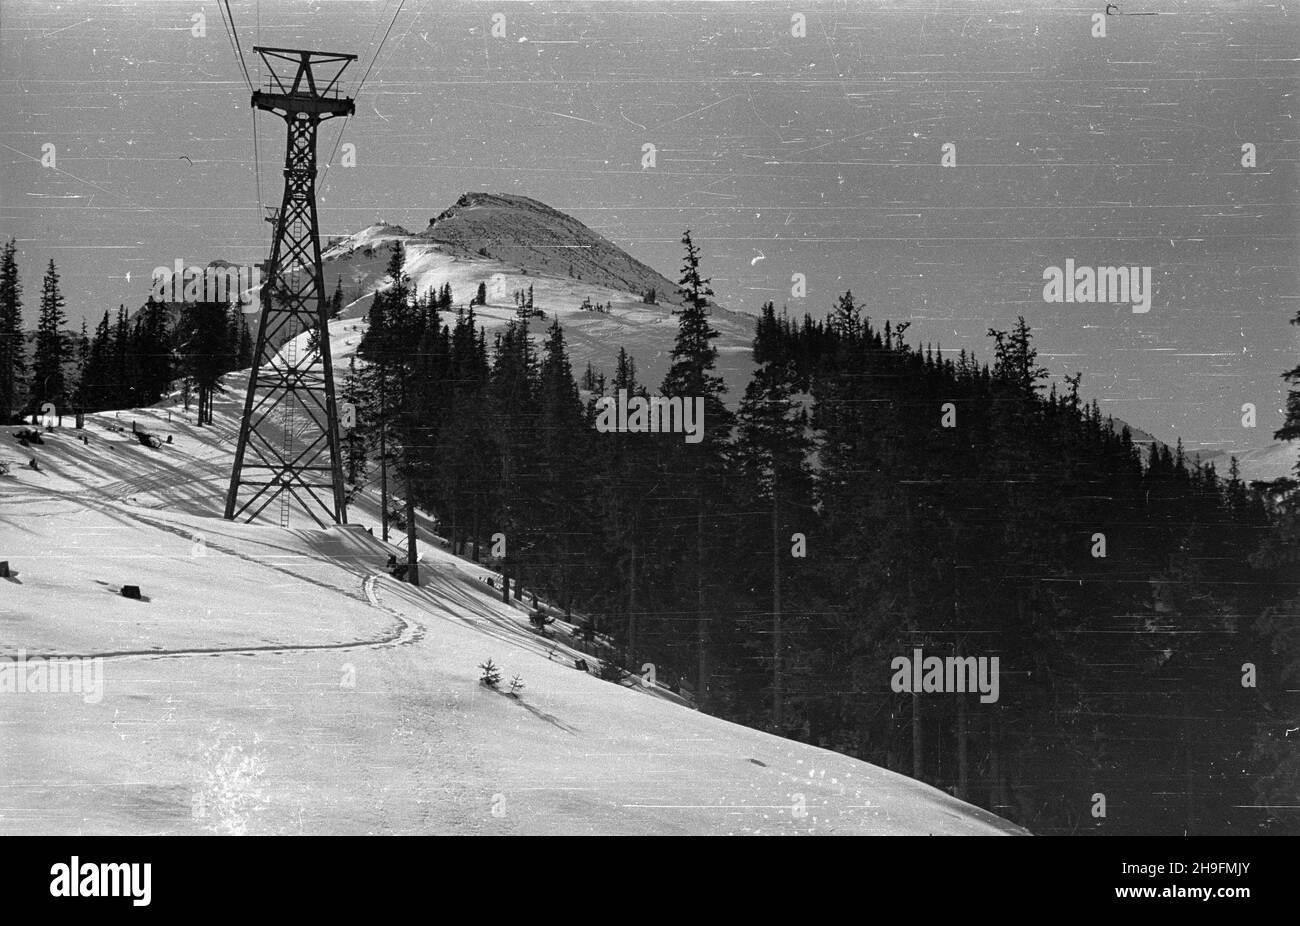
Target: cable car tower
(288, 448)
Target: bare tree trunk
(475, 528)
(997, 770)
(777, 692)
(918, 725)
(701, 621)
(412, 555)
(383, 458)
(963, 718)
(1189, 828)
(631, 602)
(918, 737)
(963, 751)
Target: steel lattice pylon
(288, 438)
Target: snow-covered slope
(1265, 464)
(529, 244)
(276, 681)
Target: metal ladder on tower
(291, 361)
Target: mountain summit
(513, 246)
(532, 236)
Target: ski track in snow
(405, 632)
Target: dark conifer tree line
(135, 360)
(867, 498)
(126, 361)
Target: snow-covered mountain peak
(533, 237)
(602, 297)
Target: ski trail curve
(403, 632)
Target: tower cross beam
(295, 84)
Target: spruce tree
(512, 395)
(771, 452)
(846, 319)
(698, 467)
(13, 353)
(152, 349)
(51, 349)
(204, 346)
(693, 354)
(624, 372)
(336, 301)
(562, 513)
(390, 348)
(123, 385)
(96, 374)
(467, 454)
(83, 361)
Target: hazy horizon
(817, 155)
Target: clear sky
(817, 154)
